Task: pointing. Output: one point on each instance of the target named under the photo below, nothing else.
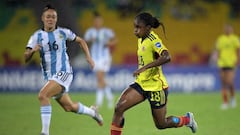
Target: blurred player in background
(101, 40)
(50, 41)
(228, 54)
(150, 82)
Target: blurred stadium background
(192, 27)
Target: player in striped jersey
(50, 42)
(150, 81)
(101, 39)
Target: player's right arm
(32, 47)
(29, 52)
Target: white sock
(109, 96)
(99, 97)
(46, 112)
(82, 109)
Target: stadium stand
(190, 41)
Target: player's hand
(91, 62)
(138, 71)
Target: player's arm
(162, 59)
(29, 52)
(238, 54)
(112, 41)
(84, 46)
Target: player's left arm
(238, 54)
(82, 43)
(112, 38)
(161, 59)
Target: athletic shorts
(227, 68)
(64, 79)
(102, 65)
(157, 99)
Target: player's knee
(42, 97)
(160, 126)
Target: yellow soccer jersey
(227, 47)
(149, 49)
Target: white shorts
(64, 79)
(102, 65)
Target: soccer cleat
(233, 103)
(97, 116)
(224, 106)
(43, 134)
(192, 123)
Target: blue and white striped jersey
(53, 53)
(100, 37)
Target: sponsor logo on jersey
(158, 44)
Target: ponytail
(148, 19)
(156, 23)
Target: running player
(50, 41)
(101, 39)
(150, 82)
(228, 52)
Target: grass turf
(19, 115)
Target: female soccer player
(50, 41)
(101, 39)
(150, 82)
(228, 52)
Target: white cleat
(233, 103)
(192, 123)
(224, 106)
(97, 116)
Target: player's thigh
(129, 98)
(50, 89)
(230, 75)
(100, 75)
(223, 76)
(158, 102)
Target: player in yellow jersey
(150, 81)
(228, 51)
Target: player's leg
(50, 89)
(100, 87)
(230, 80)
(224, 88)
(107, 88)
(129, 98)
(161, 122)
(69, 106)
(158, 102)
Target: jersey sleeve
(33, 41)
(70, 35)
(110, 33)
(88, 35)
(217, 44)
(237, 40)
(158, 46)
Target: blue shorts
(157, 99)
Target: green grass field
(19, 115)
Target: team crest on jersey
(143, 48)
(60, 36)
(158, 45)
